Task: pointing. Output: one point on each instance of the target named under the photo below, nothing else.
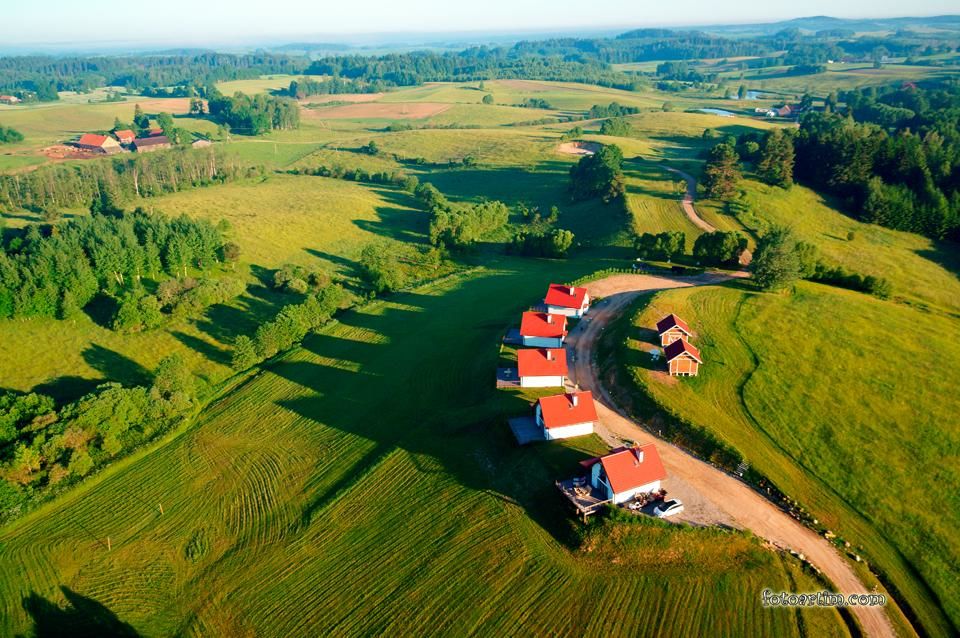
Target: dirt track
(688, 197)
(734, 499)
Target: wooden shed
(672, 328)
(682, 358)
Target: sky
(209, 22)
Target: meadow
(376, 457)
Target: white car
(668, 508)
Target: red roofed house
(542, 368)
(567, 300)
(672, 328)
(98, 143)
(626, 472)
(566, 415)
(543, 330)
(683, 359)
(9, 99)
(125, 136)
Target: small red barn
(683, 358)
(125, 136)
(98, 143)
(672, 328)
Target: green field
(371, 469)
(861, 465)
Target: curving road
(687, 202)
(726, 496)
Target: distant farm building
(626, 472)
(567, 300)
(98, 143)
(201, 143)
(9, 99)
(566, 415)
(671, 328)
(542, 368)
(683, 359)
(543, 330)
(125, 136)
(150, 144)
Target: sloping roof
(125, 134)
(141, 142)
(680, 346)
(534, 363)
(625, 471)
(92, 139)
(559, 295)
(672, 321)
(559, 411)
(542, 324)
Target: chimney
(549, 355)
(549, 318)
(575, 400)
(573, 291)
(639, 452)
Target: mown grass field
(838, 398)
(371, 469)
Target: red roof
(542, 324)
(559, 411)
(534, 363)
(560, 295)
(154, 132)
(624, 469)
(672, 321)
(680, 346)
(92, 139)
(125, 134)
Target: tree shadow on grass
(67, 388)
(81, 617)
(427, 388)
(101, 310)
(115, 366)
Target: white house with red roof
(98, 143)
(567, 300)
(626, 472)
(565, 415)
(542, 368)
(125, 136)
(671, 328)
(543, 329)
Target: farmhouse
(671, 328)
(626, 472)
(683, 359)
(542, 368)
(149, 144)
(98, 143)
(201, 143)
(542, 329)
(565, 415)
(9, 99)
(567, 300)
(125, 136)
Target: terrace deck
(525, 429)
(508, 378)
(585, 499)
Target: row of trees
(390, 266)
(58, 275)
(306, 87)
(119, 179)
(43, 449)
(460, 225)
(555, 243)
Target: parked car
(668, 508)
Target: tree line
(57, 186)
(253, 115)
(118, 256)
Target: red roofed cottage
(98, 143)
(125, 136)
(566, 415)
(672, 328)
(683, 359)
(626, 472)
(542, 368)
(543, 329)
(567, 300)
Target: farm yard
(376, 454)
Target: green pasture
(838, 398)
(372, 469)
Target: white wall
(626, 496)
(541, 382)
(578, 429)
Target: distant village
(126, 140)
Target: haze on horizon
(217, 22)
